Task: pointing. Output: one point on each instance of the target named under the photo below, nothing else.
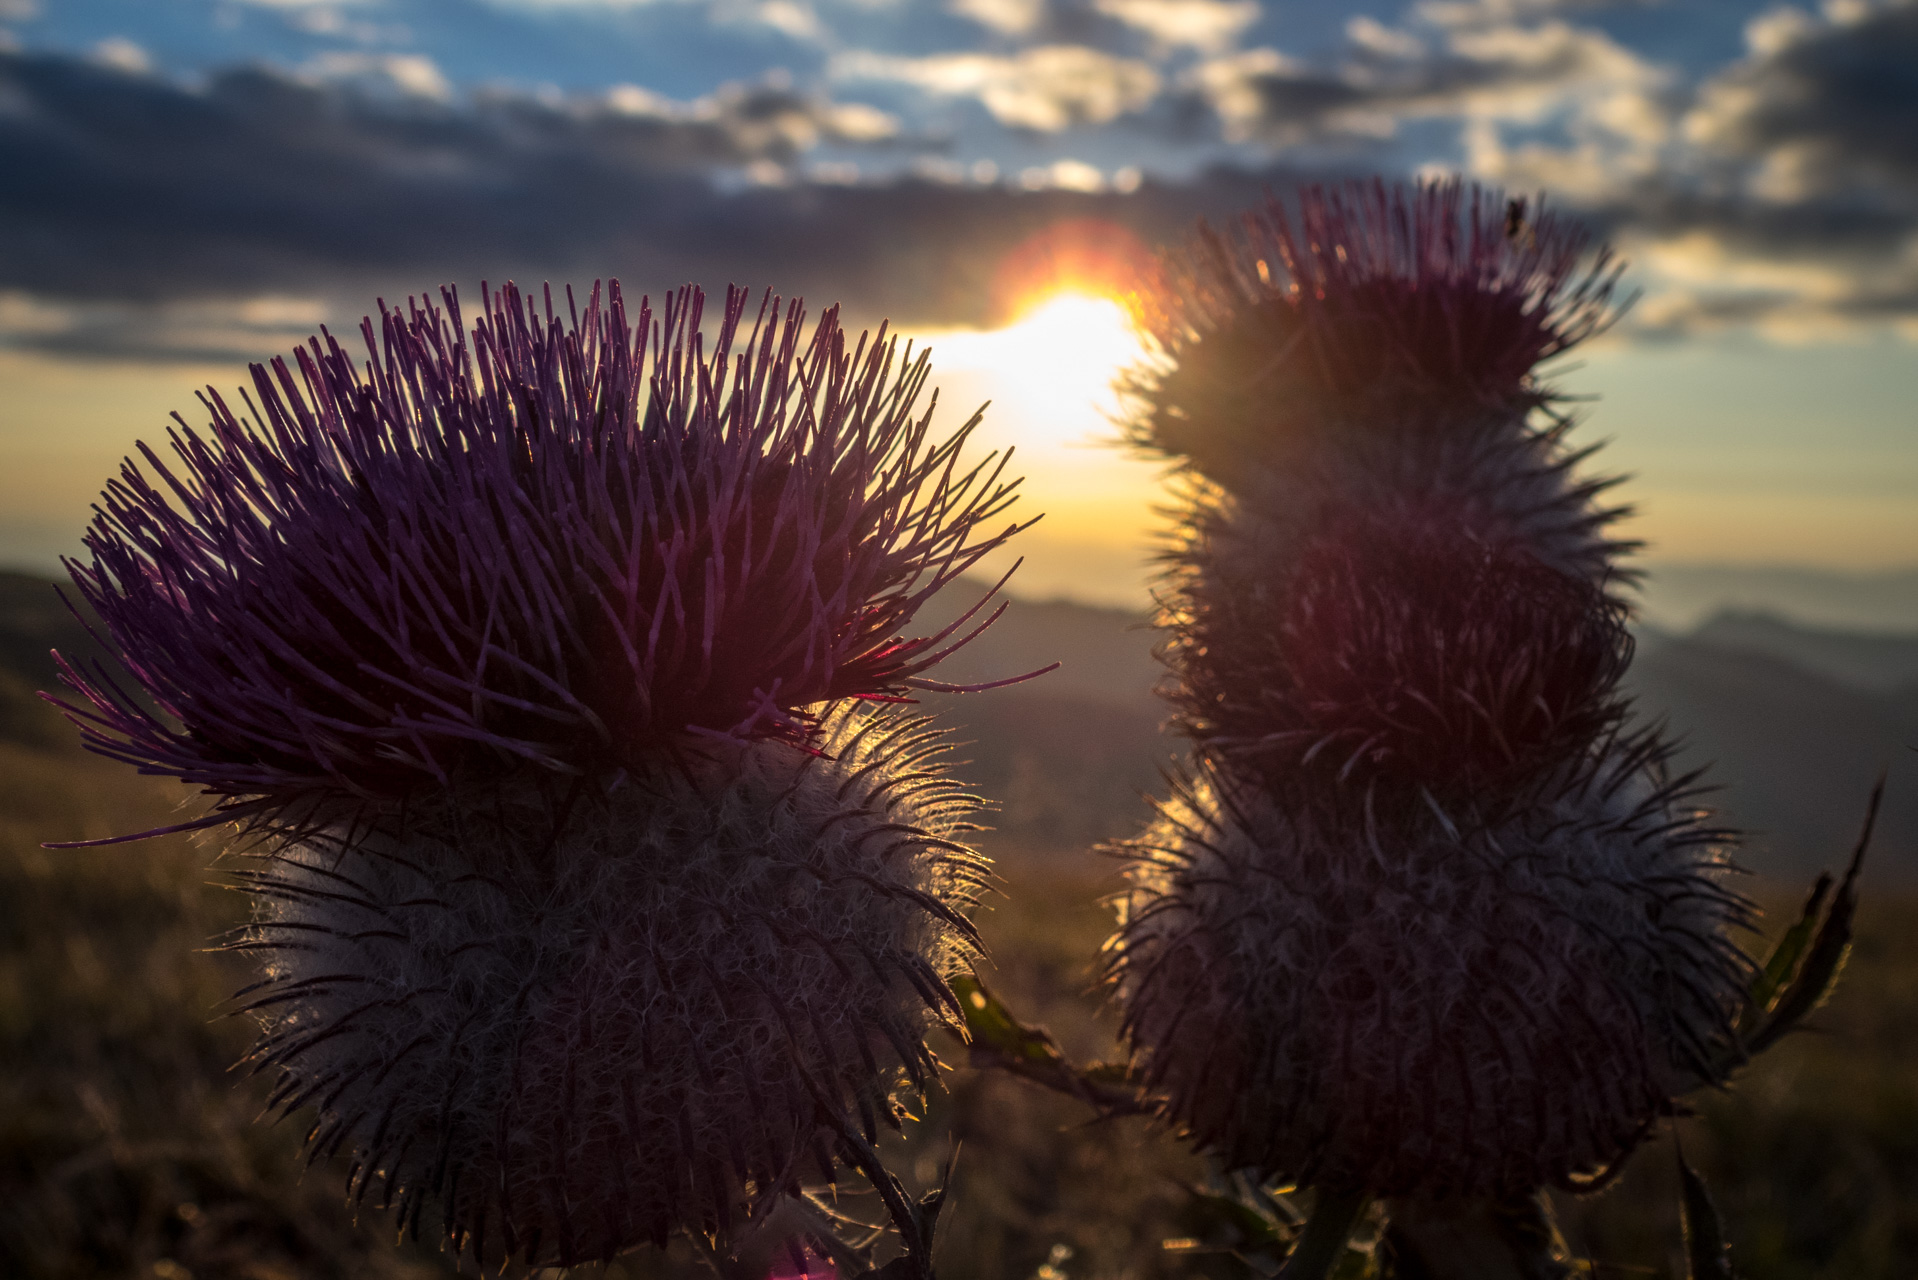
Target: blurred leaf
(1113, 1073)
(1237, 1217)
(1274, 1202)
(1783, 963)
(1358, 1265)
(1322, 1244)
(1825, 958)
(1707, 1257)
(998, 1038)
(1480, 1238)
(904, 1267)
(1232, 1224)
(992, 1026)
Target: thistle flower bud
(1404, 1007)
(589, 909)
(669, 1010)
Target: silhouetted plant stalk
(546, 671)
(1427, 923)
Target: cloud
(143, 213)
(1476, 13)
(147, 218)
(1206, 25)
(1045, 89)
(1821, 109)
(113, 185)
(1783, 197)
(1778, 194)
(793, 19)
(1076, 175)
(740, 123)
(122, 55)
(187, 329)
(1263, 95)
(1804, 204)
(1390, 75)
(380, 75)
(1007, 17)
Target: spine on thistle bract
(600, 894)
(1427, 917)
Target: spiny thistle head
(1399, 1007)
(590, 906)
(562, 543)
(1435, 301)
(699, 989)
(1429, 920)
(1414, 646)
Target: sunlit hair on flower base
(1429, 918)
(1402, 1009)
(699, 991)
(591, 904)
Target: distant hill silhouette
(33, 622)
(1678, 597)
(1104, 654)
(1796, 720)
(1879, 663)
(1794, 752)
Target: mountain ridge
(1068, 759)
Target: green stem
(1334, 1215)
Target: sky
(187, 185)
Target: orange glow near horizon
(1048, 376)
(1079, 256)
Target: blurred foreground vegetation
(128, 1148)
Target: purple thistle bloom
(564, 543)
(1429, 919)
(589, 904)
(1377, 299)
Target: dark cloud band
(126, 197)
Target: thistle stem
(1334, 1215)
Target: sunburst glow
(1051, 371)
(1048, 376)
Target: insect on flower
(601, 893)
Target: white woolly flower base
(581, 1022)
(1427, 1012)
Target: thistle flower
(1427, 302)
(590, 906)
(563, 546)
(1428, 919)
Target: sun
(1063, 355)
(1052, 369)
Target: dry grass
(128, 1148)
